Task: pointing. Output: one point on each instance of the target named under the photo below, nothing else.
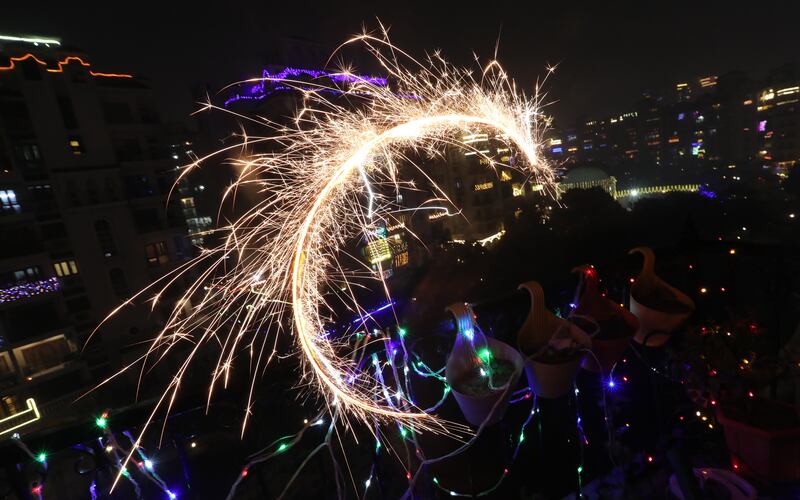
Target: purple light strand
(260, 90)
(26, 290)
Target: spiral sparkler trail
(326, 182)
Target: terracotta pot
(607, 346)
(553, 380)
(608, 353)
(543, 328)
(492, 406)
(488, 408)
(770, 455)
(656, 326)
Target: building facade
(84, 177)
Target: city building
(484, 198)
(84, 175)
(778, 113)
(713, 125)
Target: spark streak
(323, 183)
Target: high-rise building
(84, 178)
(779, 118)
(484, 198)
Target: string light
(25, 290)
(61, 64)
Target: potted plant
(727, 368)
(660, 307)
(553, 347)
(614, 324)
(481, 371)
(763, 437)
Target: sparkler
(327, 180)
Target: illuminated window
(483, 186)
(518, 190)
(505, 176)
(762, 126)
(156, 253)
(40, 356)
(66, 268)
(76, 146)
(378, 251)
(401, 260)
(8, 202)
(19, 276)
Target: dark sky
(606, 56)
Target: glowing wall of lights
(378, 251)
(26, 290)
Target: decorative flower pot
(764, 443)
(735, 487)
(553, 347)
(468, 370)
(614, 325)
(660, 307)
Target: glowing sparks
(335, 177)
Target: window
(92, 195)
(118, 283)
(8, 202)
(148, 112)
(6, 367)
(137, 186)
(156, 254)
(19, 276)
(41, 192)
(28, 152)
(43, 355)
(9, 406)
(128, 149)
(65, 268)
(67, 112)
(103, 231)
(72, 193)
(401, 260)
(76, 146)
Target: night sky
(606, 56)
